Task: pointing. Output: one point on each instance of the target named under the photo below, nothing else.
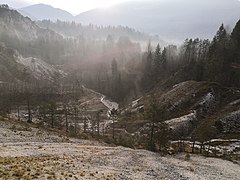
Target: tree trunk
(92, 128)
(201, 148)
(193, 146)
(151, 136)
(18, 114)
(208, 148)
(98, 123)
(85, 125)
(113, 130)
(66, 118)
(52, 119)
(76, 116)
(29, 111)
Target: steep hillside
(21, 33)
(16, 26)
(10, 70)
(192, 109)
(172, 20)
(39, 68)
(13, 67)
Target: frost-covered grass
(181, 120)
(231, 122)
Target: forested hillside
(73, 29)
(66, 76)
(215, 60)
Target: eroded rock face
(231, 122)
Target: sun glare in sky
(77, 6)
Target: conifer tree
(157, 62)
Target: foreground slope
(42, 154)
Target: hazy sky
(72, 6)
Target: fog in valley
(128, 89)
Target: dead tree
(113, 115)
(98, 122)
(29, 110)
(85, 125)
(75, 118)
(66, 117)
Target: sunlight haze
(73, 6)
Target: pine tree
(147, 77)
(155, 115)
(235, 52)
(114, 68)
(157, 63)
(219, 61)
(235, 38)
(164, 60)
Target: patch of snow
(235, 102)
(231, 122)
(180, 84)
(109, 104)
(178, 103)
(180, 120)
(137, 108)
(135, 102)
(207, 99)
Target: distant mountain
(172, 19)
(43, 11)
(25, 14)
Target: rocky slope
(40, 69)
(13, 66)
(26, 47)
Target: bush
(187, 157)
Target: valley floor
(32, 153)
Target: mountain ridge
(169, 19)
(49, 12)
